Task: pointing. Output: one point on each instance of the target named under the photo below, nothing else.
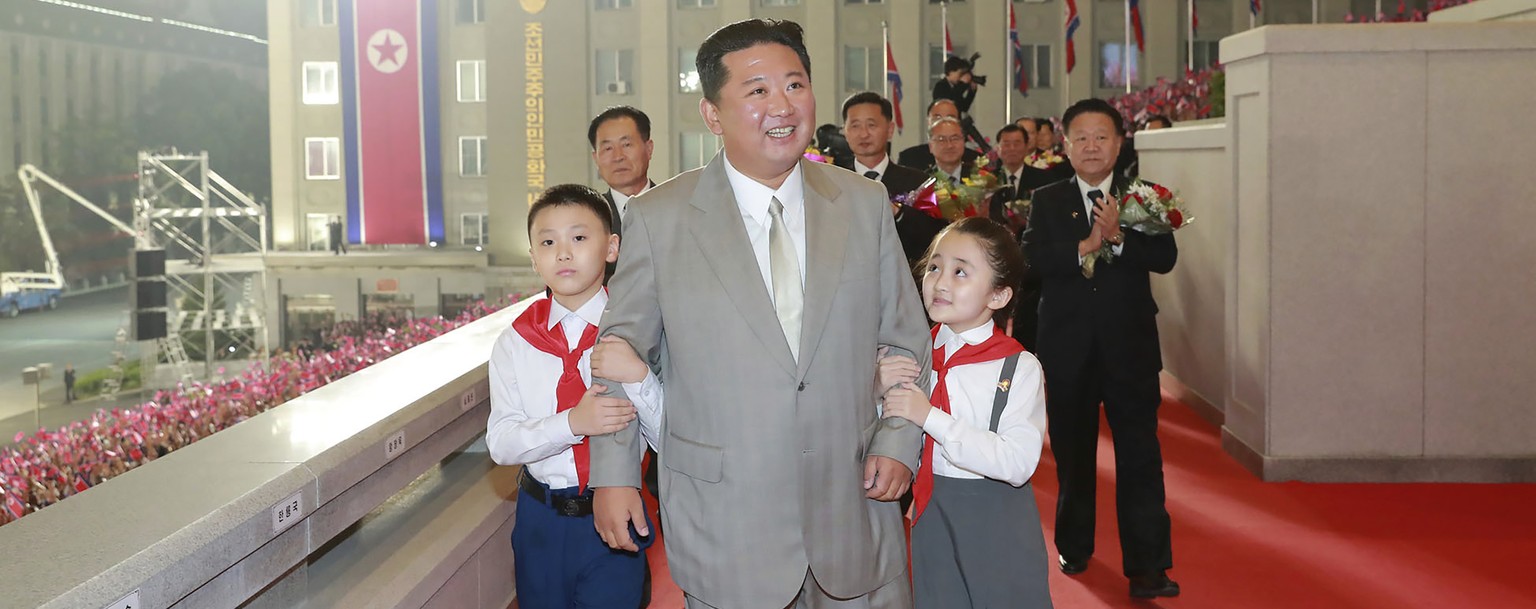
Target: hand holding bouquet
(1146, 208)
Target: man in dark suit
(1018, 178)
(920, 155)
(1019, 182)
(868, 127)
(622, 148)
(1098, 343)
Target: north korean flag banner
(389, 97)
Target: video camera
(976, 78)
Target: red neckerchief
(533, 326)
(997, 346)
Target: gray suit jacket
(763, 457)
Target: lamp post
(34, 376)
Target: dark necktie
(873, 175)
(1094, 196)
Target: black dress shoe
(1072, 567)
(1152, 586)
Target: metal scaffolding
(215, 239)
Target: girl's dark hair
(1003, 254)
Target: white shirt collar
(753, 196)
(620, 200)
(590, 312)
(953, 341)
(885, 161)
(1084, 187)
(957, 175)
(1017, 174)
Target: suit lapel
(717, 227)
(826, 233)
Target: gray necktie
(873, 175)
(784, 267)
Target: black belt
(563, 504)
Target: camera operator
(959, 85)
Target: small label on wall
(128, 602)
(284, 514)
(394, 445)
(469, 399)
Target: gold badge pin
(1074, 214)
(1004, 384)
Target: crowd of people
(657, 334)
(46, 467)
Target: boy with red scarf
(543, 408)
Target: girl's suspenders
(1004, 383)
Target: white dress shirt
(963, 445)
(1013, 177)
(621, 200)
(879, 168)
(753, 199)
(1084, 187)
(524, 427)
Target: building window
(865, 1)
(697, 3)
(322, 158)
(320, 83)
(1206, 53)
(474, 229)
(472, 156)
(471, 11)
(862, 69)
(1038, 57)
(781, 2)
(605, 5)
(1111, 72)
(615, 70)
(472, 80)
(319, 13)
(695, 149)
(318, 228)
(688, 71)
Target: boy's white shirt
(964, 447)
(523, 427)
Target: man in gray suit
(770, 282)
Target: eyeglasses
(947, 139)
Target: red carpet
(1239, 543)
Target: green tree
(206, 108)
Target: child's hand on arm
(893, 370)
(615, 360)
(908, 402)
(596, 415)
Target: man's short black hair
(1159, 118)
(740, 36)
(1011, 128)
(642, 122)
(1094, 105)
(956, 62)
(869, 97)
(1045, 122)
(572, 194)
